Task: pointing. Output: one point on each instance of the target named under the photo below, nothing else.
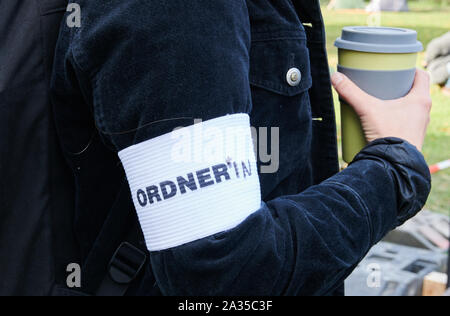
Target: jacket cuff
(408, 170)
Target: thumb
(351, 93)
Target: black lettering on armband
(203, 176)
(221, 171)
(236, 169)
(190, 183)
(173, 189)
(246, 171)
(152, 192)
(141, 197)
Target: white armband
(194, 182)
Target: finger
(351, 93)
(421, 84)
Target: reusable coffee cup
(382, 62)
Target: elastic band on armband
(194, 182)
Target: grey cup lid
(379, 40)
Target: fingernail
(336, 78)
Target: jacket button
(294, 77)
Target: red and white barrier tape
(440, 166)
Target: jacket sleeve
(309, 243)
(148, 73)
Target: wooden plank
(435, 284)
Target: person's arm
(438, 47)
(308, 243)
(155, 65)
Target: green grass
(431, 19)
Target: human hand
(405, 118)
